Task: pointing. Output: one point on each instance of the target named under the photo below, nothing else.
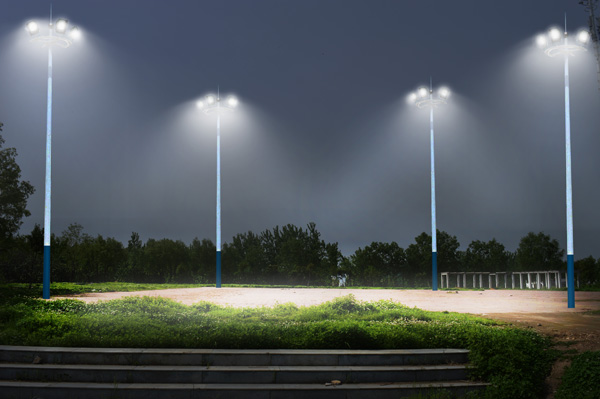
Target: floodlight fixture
(232, 101)
(554, 34)
(583, 36)
(426, 97)
(444, 92)
(32, 27)
(555, 42)
(210, 99)
(75, 33)
(541, 41)
(199, 104)
(57, 34)
(61, 25)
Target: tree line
(281, 255)
(286, 255)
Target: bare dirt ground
(545, 311)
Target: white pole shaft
(218, 182)
(568, 161)
(48, 182)
(433, 215)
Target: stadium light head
(32, 27)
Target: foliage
(514, 360)
(13, 193)
(582, 378)
(418, 256)
(539, 252)
(589, 271)
(378, 264)
(488, 256)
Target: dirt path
(545, 311)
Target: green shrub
(582, 379)
(515, 361)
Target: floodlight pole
(570, 256)
(434, 281)
(48, 183)
(218, 276)
(553, 45)
(212, 105)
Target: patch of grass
(582, 378)
(515, 361)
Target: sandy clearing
(475, 302)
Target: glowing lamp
(232, 101)
(444, 92)
(32, 27)
(412, 97)
(61, 25)
(541, 41)
(200, 104)
(210, 99)
(75, 33)
(583, 36)
(554, 34)
(423, 92)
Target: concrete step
(231, 357)
(229, 374)
(62, 390)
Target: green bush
(582, 379)
(515, 361)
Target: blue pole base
(218, 269)
(571, 281)
(46, 277)
(434, 282)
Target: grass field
(514, 360)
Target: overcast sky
(323, 133)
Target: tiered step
(41, 372)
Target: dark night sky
(323, 134)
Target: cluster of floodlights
(555, 42)
(424, 97)
(212, 104)
(58, 33)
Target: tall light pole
(57, 34)
(426, 98)
(556, 43)
(214, 105)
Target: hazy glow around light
(554, 34)
(541, 41)
(75, 33)
(200, 104)
(32, 27)
(583, 36)
(210, 99)
(412, 97)
(61, 25)
(423, 92)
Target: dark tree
(13, 193)
(489, 256)
(539, 252)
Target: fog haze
(323, 133)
